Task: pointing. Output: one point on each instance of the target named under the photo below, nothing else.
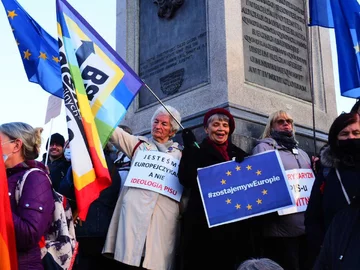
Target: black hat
(56, 138)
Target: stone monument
(252, 57)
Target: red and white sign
(156, 171)
(300, 183)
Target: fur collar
(327, 158)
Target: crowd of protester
(133, 228)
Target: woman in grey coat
(284, 236)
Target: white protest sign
(53, 108)
(300, 183)
(156, 171)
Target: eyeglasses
(9, 141)
(283, 121)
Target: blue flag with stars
(39, 51)
(234, 191)
(342, 15)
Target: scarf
(162, 147)
(284, 138)
(221, 148)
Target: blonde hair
(30, 137)
(161, 110)
(271, 120)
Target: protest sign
(155, 171)
(233, 191)
(53, 108)
(300, 182)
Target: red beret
(220, 111)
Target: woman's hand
(188, 137)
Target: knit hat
(220, 111)
(56, 138)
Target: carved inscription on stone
(276, 45)
(173, 53)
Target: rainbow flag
(8, 255)
(84, 68)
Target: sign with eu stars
(233, 191)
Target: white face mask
(67, 154)
(5, 157)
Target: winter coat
(33, 215)
(101, 210)
(340, 250)
(58, 169)
(327, 199)
(145, 222)
(287, 225)
(203, 247)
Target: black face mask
(349, 151)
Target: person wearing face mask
(203, 247)
(284, 236)
(33, 214)
(67, 151)
(334, 191)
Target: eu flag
(39, 51)
(321, 13)
(234, 191)
(342, 16)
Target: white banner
(156, 171)
(300, 183)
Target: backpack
(58, 245)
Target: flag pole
(312, 87)
(49, 142)
(158, 99)
(176, 120)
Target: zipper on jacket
(297, 160)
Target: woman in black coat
(204, 247)
(341, 246)
(333, 190)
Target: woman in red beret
(202, 247)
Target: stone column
(252, 57)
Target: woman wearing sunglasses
(284, 236)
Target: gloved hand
(188, 137)
(239, 159)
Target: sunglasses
(283, 121)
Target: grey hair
(217, 117)
(271, 120)
(161, 110)
(260, 264)
(30, 137)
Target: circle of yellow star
(264, 192)
(357, 48)
(11, 14)
(27, 54)
(238, 206)
(238, 168)
(259, 201)
(43, 55)
(258, 172)
(249, 206)
(223, 181)
(228, 173)
(228, 201)
(56, 59)
(248, 167)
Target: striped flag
(113, 85)
(98, 88)
(8, 255)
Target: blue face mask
(67, 154)
(5, 157)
